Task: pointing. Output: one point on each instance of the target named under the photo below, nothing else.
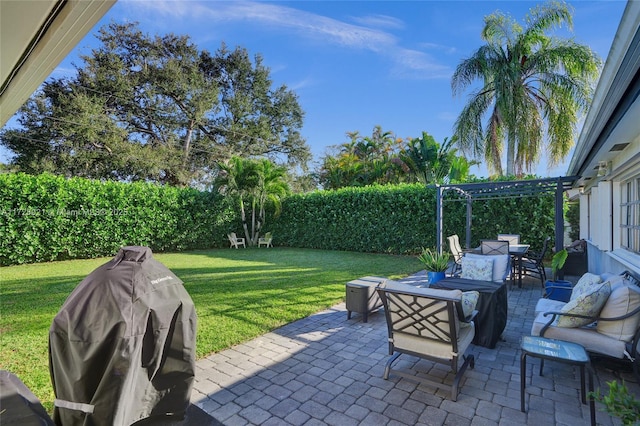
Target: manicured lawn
(238, 294)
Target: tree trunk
(187, 144)
(244, 221)
(511, 155)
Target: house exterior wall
(601, 214)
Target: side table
(362, 296)
(561, 351)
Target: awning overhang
(612, 121)
(36, 35)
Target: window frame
(630, 214)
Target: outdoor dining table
(492, 307)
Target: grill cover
(122, 347)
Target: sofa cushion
(501, 264)
(585, 336)
(469, 301)
(615, 280)
(589, 303)
(584, 284)
(477, 269)
(623, 299)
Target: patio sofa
(603, 315)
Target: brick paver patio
(327, 370)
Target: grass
(238, 294)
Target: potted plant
(557, 262)
(435, 264)
(558, 289)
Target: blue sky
(356, 64)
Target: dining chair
(456, 251)
(534, 262)
(511, 238)
(494, 247)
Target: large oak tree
(156, 108)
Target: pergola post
(468, 226)
(559, 237)
(439, 218)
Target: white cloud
(440, 47)
(418, 65)
(297, 85)
(406, 62)
(64, 72)
(379, 21)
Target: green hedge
(46, 217)
(386, 219)
(401, 219)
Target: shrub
(47, 217)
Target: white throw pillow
(584, 285)
(477, 269)
(469, 301)
(623, 299)
(501, 265)
(589, 304)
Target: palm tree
(528, 79)
(272, 187)
(253, 182)
(429, 162)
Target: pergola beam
(500, 190)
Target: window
(630, 214)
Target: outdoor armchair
(266, 240)
(430, 324)
(235, 241)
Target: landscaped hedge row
(46, 217)
(402, 219)
(388, 219)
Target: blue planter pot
(558, 290)
(434, 277)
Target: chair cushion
(500, 265)
(477, 268)
(589, 304)
(587, 337)
(623, 299)
(469, 302)
(584, 284)
(432, 348)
